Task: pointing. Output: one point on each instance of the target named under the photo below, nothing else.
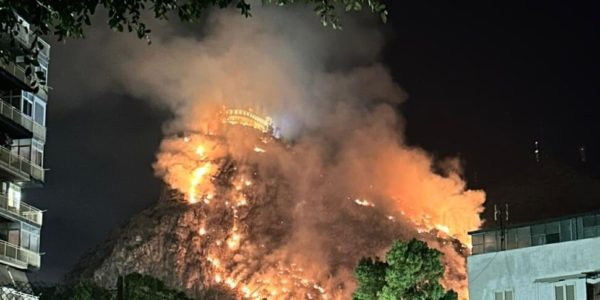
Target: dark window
(591, 226)
(490, 240)
(566, 234)
(511, 239)
(559, 293)
(27, 108)
(477, 240)
(552, 238)
(40, 113)
(503, 295)
(38, 157)
(570, 292)
(524, 237)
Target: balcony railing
(31, 213)
(26, 211)
(16, 70)
(19, 256)
(14, 114)
(20, 166)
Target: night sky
(484, 82)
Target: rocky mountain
(161, 241)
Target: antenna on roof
(536, 151)
(582, 157)
(502, 216)
(495, 212)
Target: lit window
(14, 196)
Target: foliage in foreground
(131, 287)
(411, 271)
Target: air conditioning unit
(24, 29)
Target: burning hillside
(267, 219)
(286, 218)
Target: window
(14, 196)
(524, 237)
(30, 149)
(37, 149)
(39, 112)
(503, 295)
(591, 226)
(491, 241)
(477, 241)
(518, 238)
(34, 107)
(564, 292)
(27, 108)
(548, 233)
(30, 237)
(566, 230)
(13, 236)
(27, 103)
(22, 148)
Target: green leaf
(384, 17)
(357, 6)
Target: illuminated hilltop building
(22, 139)
(553, 260)
(249, 119)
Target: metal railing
(30, 213)
(19, 256)
(16, 70)
(537, 234)
(20, 166)
(14, 114)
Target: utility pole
(502, 216)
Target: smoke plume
(352, 183)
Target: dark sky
(484, 81)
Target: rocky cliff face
(254, 237)
(161, 241)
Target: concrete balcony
(24, 126)
(25, 212)
(18, 168)
(31, 213)
(19, 257)
(14, 76)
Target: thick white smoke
(329, 94)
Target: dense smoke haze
(338, 107)
(353, 182)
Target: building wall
(533, 272)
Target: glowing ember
(197, 178)
(443, 228)
(363, 202)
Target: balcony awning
(590, 275)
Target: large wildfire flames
(291, 218)
(305, 245)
